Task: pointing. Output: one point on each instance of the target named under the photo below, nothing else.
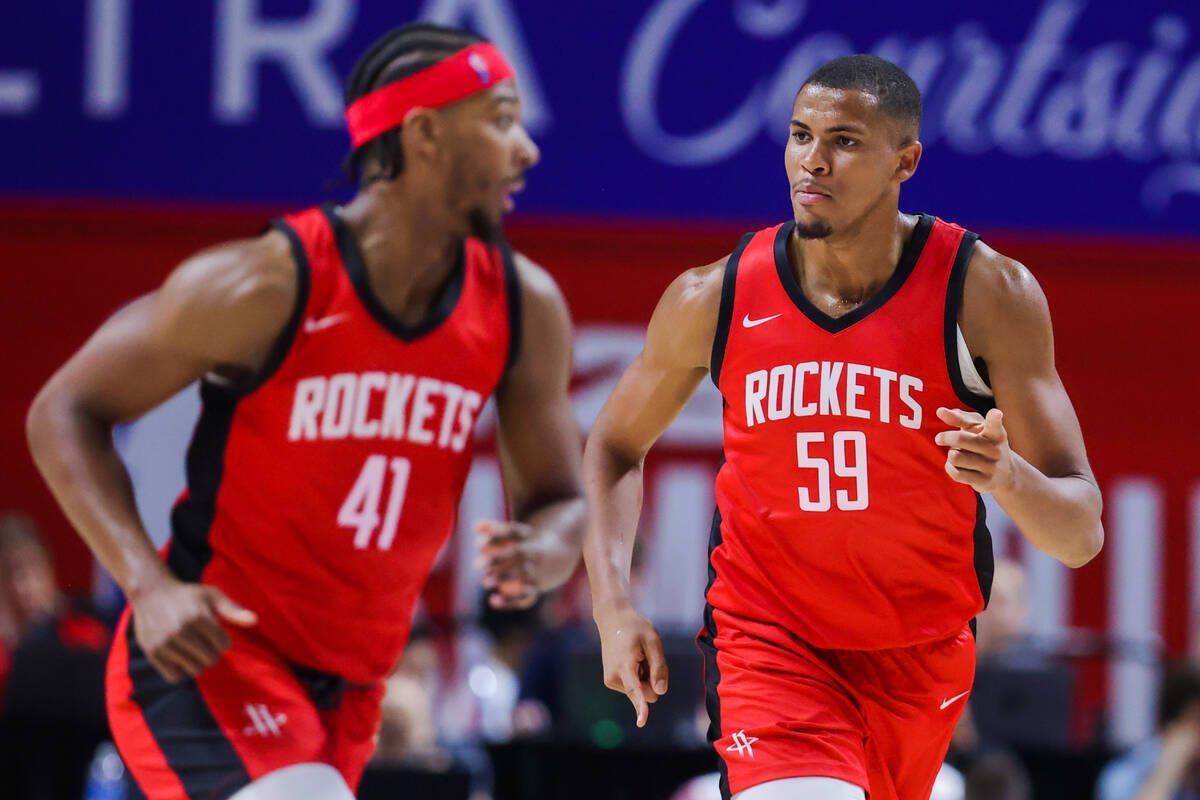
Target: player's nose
(813, 159)
(528, 153)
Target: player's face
(492, 152)
(843, 159)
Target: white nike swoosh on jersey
(314, 325)
(750, 323)
(946, 703)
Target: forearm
(559, 526)
(614, 492)
(75, 455)
(1164, 782)
(1059, 516)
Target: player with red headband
(344, 358)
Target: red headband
(478, 67)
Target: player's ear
(908, 156)
(421, 134)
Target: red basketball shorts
(246, 715)
(879, 719)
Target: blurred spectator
(408, 729)
(53, 715)
(1001, 632)
(1166, 767)
(998, 776)
(479, 703)
(1003, 627)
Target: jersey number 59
(843, 441)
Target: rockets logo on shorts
(742, 744)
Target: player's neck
(851, 266)
(408, 251)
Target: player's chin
(485, 224)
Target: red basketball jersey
(319, 496)
(836, 519)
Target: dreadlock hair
(401, 52)
(896, 95)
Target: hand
(1181, 740)
(177, 626)
(509, 556)
(634, 662)
(979, 453)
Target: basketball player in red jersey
(878, 369)
(344, 358)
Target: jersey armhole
(954, 293)
(512, 288)
(283, 342)
(725, 314)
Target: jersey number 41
(360, 511)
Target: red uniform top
(836, 519)
(320, 495)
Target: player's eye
(505, 121)
(800, 136)
(846, 141)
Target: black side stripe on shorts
(185, 730)
(707, 642)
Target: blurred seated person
(53, 714)
(998, 776)
(408, 727)
(1167, 766)
(1002, 629)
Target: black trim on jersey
(725, 314)
(512, 288)
(283, 343)
(443, 305)
(908, 260)
(191, 519)
(182, 725)
(707, 643)
(954, 293)
(985, 565)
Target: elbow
(605, 457)
(1086, 548)
(38, 424)
(1089, 540)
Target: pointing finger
(993, 425)
(959, 418)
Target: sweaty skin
(222, 310)
(845, 163)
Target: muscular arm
(539, 446)
(648, 397)
(220, 310)
(1043, 480)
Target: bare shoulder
(247, 270)
(685, 322)
(699, 288)
(537, 285)
(229, 302)
(1002, 300)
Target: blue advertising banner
(1040, 114)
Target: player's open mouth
(512, 188)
